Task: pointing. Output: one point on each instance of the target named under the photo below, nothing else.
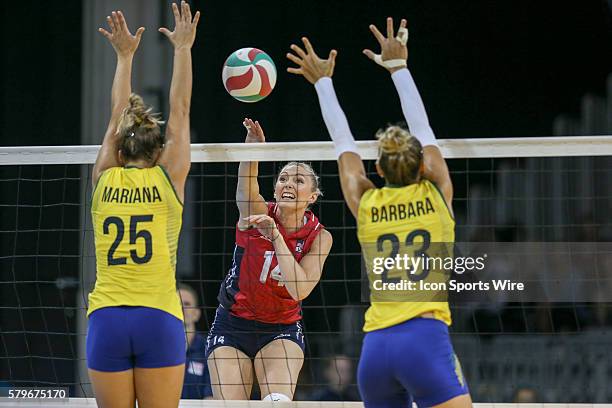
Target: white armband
(413, 108)
(334, 117)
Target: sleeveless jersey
(252, 288)
(394, 218)
(136, 218)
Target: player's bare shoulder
(323, 243)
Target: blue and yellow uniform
(135, 314)
(405, 355)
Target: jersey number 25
(134, 235)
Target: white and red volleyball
(249, 74)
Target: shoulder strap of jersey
(313, 233)
(166, 176)
(271, 209)
(94, 192)
(433, 187)
(366, 195)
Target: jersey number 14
(265, 269)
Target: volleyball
(249, 75)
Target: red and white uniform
(253, 289)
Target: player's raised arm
(393, 57)
(125, 45)
(318, 72)
(248, 199)
(176, 155)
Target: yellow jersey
(396, 223)
(136, 218)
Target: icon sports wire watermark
(487, 272)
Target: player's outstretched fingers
(116, 24)
(296, 71)
(332, 57)
(196, 18)
(139, 32)
(259, 129)
(308, 46)
(294, 59)
(186, 12)
(390, 27)
(177, 14)
(403, 23)
(379, 37)
(298, 50)
(259, 132)
(105, 33)
(111, 24)
(122, 22)
(369, 53)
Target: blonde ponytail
(399, 155)
(140, 131)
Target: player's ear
(313, 198)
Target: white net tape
(235, 152)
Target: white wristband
(394, 63)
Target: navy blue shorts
(249, 336)
(123, 337)
(410, 361)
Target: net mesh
(558, 349)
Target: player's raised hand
(255, 133)
(120, 37)
(310, 66)
(394, 51)
(264, 224)
(185, 26)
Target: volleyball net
(556, 189)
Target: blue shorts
(123, 337)
(413, 360)
(249, 336)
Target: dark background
(484, 69)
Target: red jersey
(252, 288)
